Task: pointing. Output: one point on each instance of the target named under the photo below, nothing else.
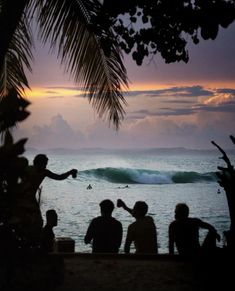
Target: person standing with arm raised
(27, 210)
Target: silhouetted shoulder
(96, 220)
(194, 220)
(189, 220)
(101, 220)
(145, 222)
(117, 222)
(149, 219)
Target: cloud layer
(194, 116)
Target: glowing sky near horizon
(169, 105)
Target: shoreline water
(76, 206)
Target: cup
(119, 203)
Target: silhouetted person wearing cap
(142, 232)
(105, 232)
(48, 236)
(184, 233)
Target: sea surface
(160, 177)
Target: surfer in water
(124, 187)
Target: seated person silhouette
(89, 187)
(184, 233)
(48, 236)
(104, 231)
(143, 231)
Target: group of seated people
(105, 232)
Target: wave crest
(142, 176)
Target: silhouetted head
(40, 161)
(106, 207)
(140, 209)
(181, 211)
(51, 217)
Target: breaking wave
(141, 176)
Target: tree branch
(224, 157)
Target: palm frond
(66, 25)
(11, 12)
(17, 58)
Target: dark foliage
(90, 37)
(12, 164)
(163, 26)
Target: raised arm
(121, 203)
(63, 176)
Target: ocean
(160, 177)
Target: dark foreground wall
(115, 273)
(86, 272)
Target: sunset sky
(176, 105)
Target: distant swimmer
(89, 187)
(124, 187)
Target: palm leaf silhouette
(94, 61)
(17, 57)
